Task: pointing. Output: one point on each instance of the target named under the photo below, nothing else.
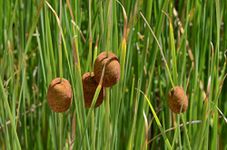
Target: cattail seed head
(89, 88)
(178, 100)
(112, 68)
(59, 95)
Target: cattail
(89, 88)
(112, 68)
(178, 100)
(59, 95)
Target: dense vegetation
(160, 44)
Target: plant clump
(112, 69)
(59, 95)
(178, 100)
(89, 88)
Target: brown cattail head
(178, 100)
(59, 95)
(89, 88)
(112, 69)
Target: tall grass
(160, 44)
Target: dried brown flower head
(112, 70)
(178, 100)
(59, 95)
(89, 88)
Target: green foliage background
(160, 44)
